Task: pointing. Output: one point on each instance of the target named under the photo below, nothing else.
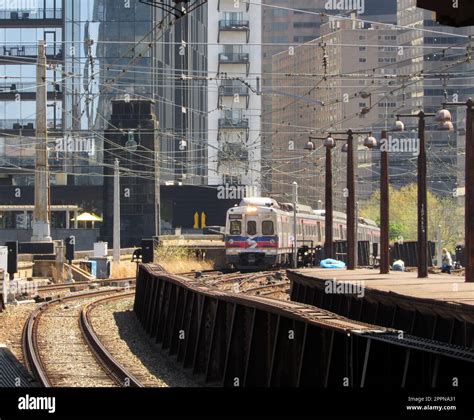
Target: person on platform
(447, 261)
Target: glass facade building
(99, 51)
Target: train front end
(251, 235)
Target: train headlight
(251, 209)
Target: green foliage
(444, 212)
(395, 230)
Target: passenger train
(259, 232)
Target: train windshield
(267, 227)
(235, 227)
(251, 227)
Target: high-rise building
(180, 91)
(234, 106)
(285, 24)
(99, 51)
(340, 80)
(20, 28)
(436, 63)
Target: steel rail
(115, 370)
(30, 335)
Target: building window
(280, 12)
(279, 26)
(279, 39)
(362, 48)
(362, 60)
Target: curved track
(112, 374)
(121, 376)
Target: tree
(444, 212)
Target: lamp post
(329, 144)
(351, 197)
(384, 210)
(371, 143)
(422, 245)
(444, 117)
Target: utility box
(102, 267)
(4, 259)
(100, 249)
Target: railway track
(82, 361)
(264, 283)
(115, 369)
(103, 282)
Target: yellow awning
(88, 217)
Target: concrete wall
(85, 238)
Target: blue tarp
(330, 263)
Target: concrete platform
(12, 372)
(441, 306)
(441, 287)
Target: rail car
(259, 232)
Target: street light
(371, 142)
(469, 181)
(351, 199)
(422, 245)
(329, 144)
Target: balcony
(233, 152)
(235, 91)
(234, 124)
(25, 18)
(234, 58)
(27, 91)
(234, 25)
(27, 52)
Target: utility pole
(422, 245)
(295, 225)
(384, 211)
(41, 221)
(351, 204)
(422, 201)
(157, 144)
(328, 212)
(116, 238)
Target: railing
(233, 123)
(26, 124)
(233, 90)
(27, 88)
(31, 15)
(29, 51)
(234, 25)
(230, 58)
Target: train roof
(259, 202)
(336, 214)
